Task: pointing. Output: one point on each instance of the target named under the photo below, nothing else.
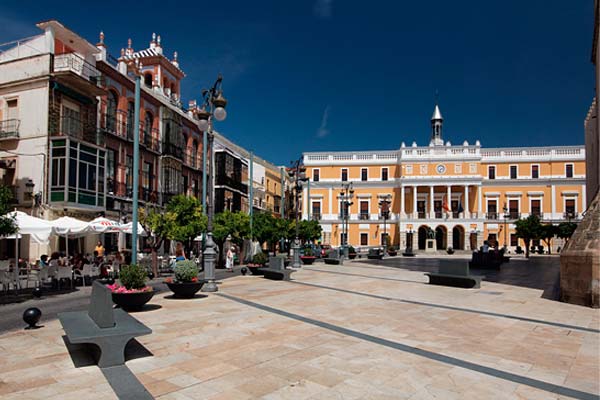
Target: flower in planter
(116, 288)
(133, 280)
(169, 280)
(259, 259)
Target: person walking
(229, 260)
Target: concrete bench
(456, 275)
(375, 254)
(109, 329)
(277, 270)
(333, 258)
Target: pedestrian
(179, 252)
(100, 249)
(229, 260)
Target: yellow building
(465, 193)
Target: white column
(467, 212)
(479, 202)
(431, 210)
(449, 200)
(414, 210)
(401, 201)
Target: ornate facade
(465, 193)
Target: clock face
(441, 168)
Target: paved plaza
(357, 331)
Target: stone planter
(185, 290)
(351, 256)
(308, 260)
(392, 253)
(132, 301)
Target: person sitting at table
(43, 261)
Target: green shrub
(185, 271)
(308, 252)
(351, 249)
(133, 276)
(259, 258)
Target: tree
(565, 231)
(8, 225)
(189, 220)
(547, 233)
(158, 225)
(264, 228)
(236, 224)
(309, 231)
(528, 229)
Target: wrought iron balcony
(570, 215)
(315, 216)
(172, 149)
(9, 129)
(455, 214)
(491, 215)
(363, 216)
(77, 128)
(438, 214)
(73, 63)
(421, 215)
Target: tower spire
(436, 124)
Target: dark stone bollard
(37, 292)
(32, 316)
(244, 271)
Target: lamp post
(296, 171)
(506, 217)
(213, 107)
(136, 68)
(384, 205)
(346, 196)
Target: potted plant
(258, 261)
(351, 252)
(450, 250)
(132, 292)
(186, 283)
(392, 251)
(308, 257)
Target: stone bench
(109, 329)
(456, 275)
(333, 258)
(375, 254)
(277, 270)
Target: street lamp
(384, 204)
(213, 107)
(346, 196)
(297, 171)
(506, 217)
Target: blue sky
(320, 75)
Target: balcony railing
(224, 180)
(455, 214)
(343, 216)
(9, 129)
(363, 216)
(192, 159)
(314, 216)
(491, 215)
(172, 149)
(421, 215)
(570, 215)
(77, 128)
(438, 214)
(74, 63)
(148, 195)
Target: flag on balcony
(460, 208)
(445, 205)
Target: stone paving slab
(385, 336)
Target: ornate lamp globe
(203, 116)
(220, 103)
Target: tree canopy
(189, 220)
(547, 233)
(7, 224)
(565, 230)
(528, 229)
(236, 224)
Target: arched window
(194, 153)
(111, 111)
(148, 122)
(148, 79)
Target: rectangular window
(344, 209)
(569, 170)
(315, 175)
(111, 170)
(514, 241)
(343, 238)
(472, 168)
(492, 209)
(458, 168)
(12, 109)
(363, 174)
(364, 210)
(185, 184)
(384, 174)
(364, 239)
(316, 210)
(570, 206)
(536, 207)
(344, 175)
(535, 171)
(423, 169)
(513, 172)
(492, 172)
(513, 209)
(409, 170)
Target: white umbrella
(70, 227)
(105, 225)
(128, 228)
(38, 228)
